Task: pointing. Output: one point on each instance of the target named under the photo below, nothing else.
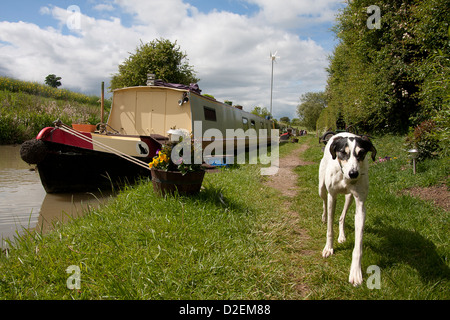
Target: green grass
(42, 90)
(142, 246)
(235, 240)
(26, 108)
(406, 237)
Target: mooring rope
(103, 146)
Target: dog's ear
(334, 145)
(370, 147)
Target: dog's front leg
(348, 202)
(328, 250)
(355, 276)
(325, 204)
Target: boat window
(244, 123)
(210, 114)
(252, 123)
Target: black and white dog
(344, 169)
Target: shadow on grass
(404, 246)
(215, 197)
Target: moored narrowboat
(119, 151)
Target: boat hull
(67, 163)
(70, 169)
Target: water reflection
(63, 207)
(25, 204)
(21, 193)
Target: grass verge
(217, 245)
(238, 239)
(406, 237)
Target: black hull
(70, 169)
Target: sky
(228, 42)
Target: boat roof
(193, 87)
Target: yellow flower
(154, 163)
(162, 157)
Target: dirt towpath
(285, 181)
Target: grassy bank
(238, 239)
(217, 245)
(42, 90)
(26, 108)
(406, 237)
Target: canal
(24, 204)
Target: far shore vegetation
(27, 107)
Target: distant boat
(70, 160)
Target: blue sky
(228, 42)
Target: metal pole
(102, 102)
(271, 89)
(271, 93)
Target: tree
(160, 57)
(312, 104)
(262, 112)
(285, 120)
(295, 122)
(53, 81)
(379, 78)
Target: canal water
(24, 204)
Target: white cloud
(83, 58)
(104, 7)
(230, 52)
(295, 13)
(44, 10)
(164, 15)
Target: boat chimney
(102, 103)
(150, 79)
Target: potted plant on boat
(174, 171)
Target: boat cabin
(153, 110)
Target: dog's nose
(353, 174)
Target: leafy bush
(310, 108)
(424, 138)
(391, 78)
(327, 121)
